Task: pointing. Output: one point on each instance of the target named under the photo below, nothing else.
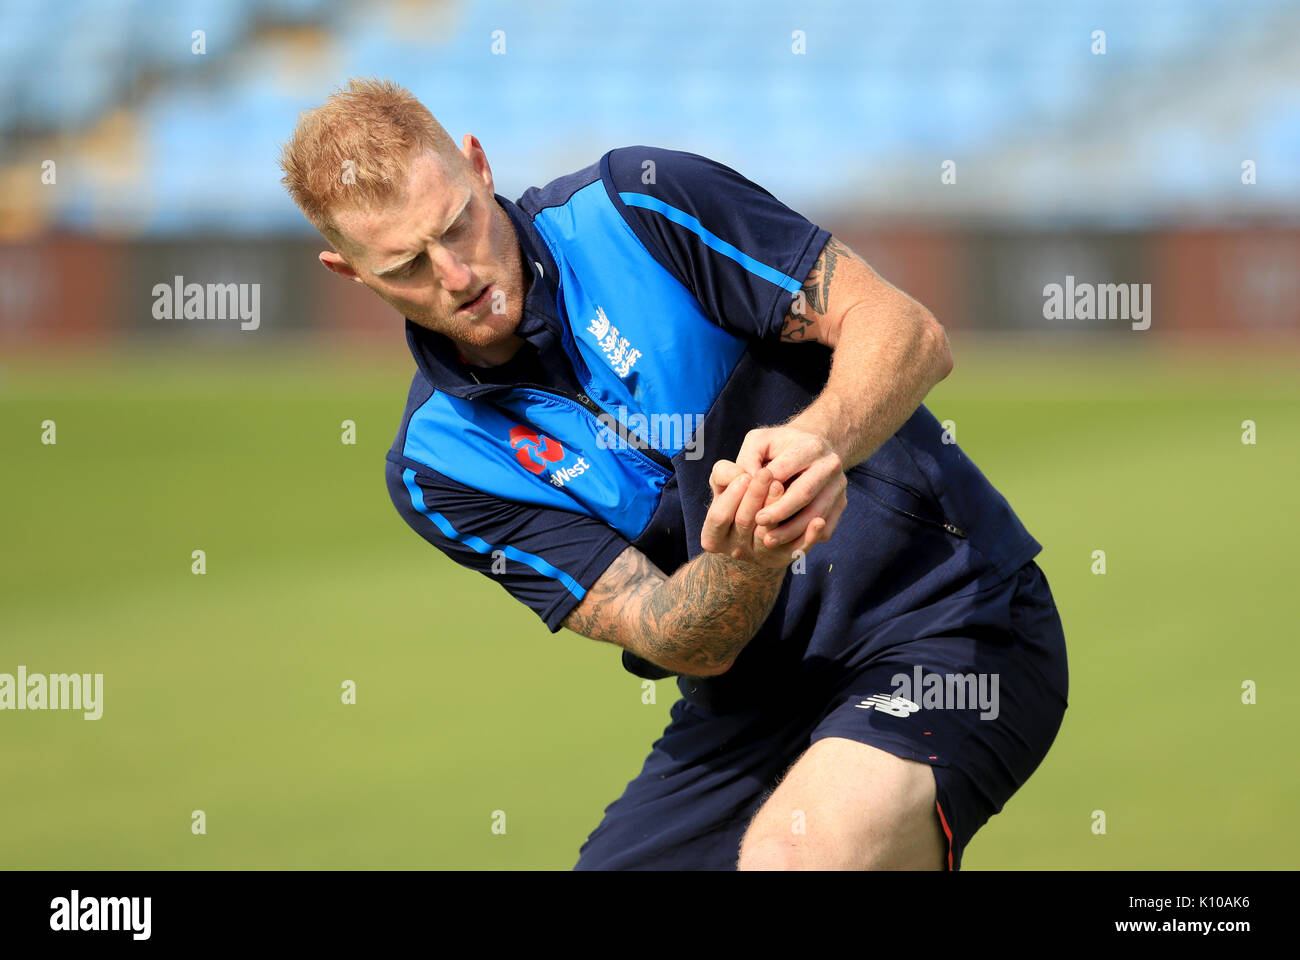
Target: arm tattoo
(705, 614)
(799, 324)
(623, 587)
(700, 618)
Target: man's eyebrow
(394, 268)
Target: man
(644, 393)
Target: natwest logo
(563, 475)
(534, 452)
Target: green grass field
(222, 691)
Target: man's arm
(888, 352)
(697, 621)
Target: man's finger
(833, 517)
(795, 458)
(800, 493)
(794, 528)
(751, 503)
(717, 522)
(754, 451)
(775, 489)
(724, 471)
(813, 535)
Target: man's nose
(454, 271)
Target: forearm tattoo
(699, 619)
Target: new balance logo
(884, 703)
(618, 351)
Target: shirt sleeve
(741, 252)
(545, 558)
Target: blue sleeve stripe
(682, 218)
(482, 546)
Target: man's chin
(485, 331)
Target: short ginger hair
(355, 149)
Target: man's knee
(775, 852)
(768, 852)
(847, 806)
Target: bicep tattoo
(814, 297)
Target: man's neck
(493, 356)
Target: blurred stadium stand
(155, 142)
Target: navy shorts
(975, 686)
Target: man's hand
(887, 352)
(696, 622)
(819, 492)
(730, 528)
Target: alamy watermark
(55, 691)
(77, 913)
(937, 691)
(1098, 301)
(656, 431)
(179, 300)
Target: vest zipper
(591, 406)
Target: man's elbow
(702, 667)
(707, 670)
(718, 669)
(693, 660)
(936, 347)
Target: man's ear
(337, 264)
(473, 152)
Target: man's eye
(410, 268)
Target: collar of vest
(437, 356)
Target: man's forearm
(880, 373)
(697, 621)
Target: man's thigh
(846, 805)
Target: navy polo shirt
(657, 284)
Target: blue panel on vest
(656, 360)
(540, 449)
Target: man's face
(446, 255)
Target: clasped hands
(784, 492)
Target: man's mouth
(478, 303)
